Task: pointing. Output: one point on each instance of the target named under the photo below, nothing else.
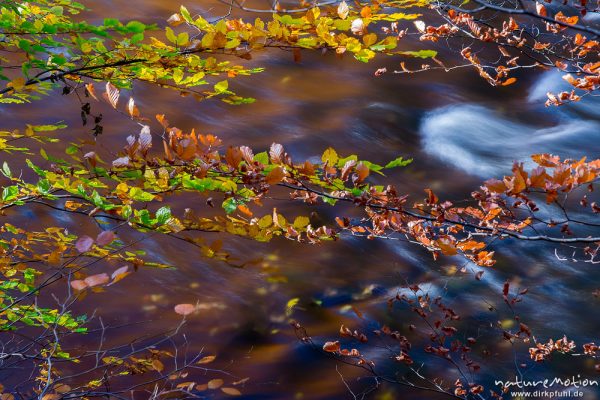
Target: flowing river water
(459, 131)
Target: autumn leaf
(231, 391)
(119, 274)
(157, 365)
(184, 309)
(206, 360)
(215, 383)
(105, 238)
(275, 176)
(343, 10)
(332, 347)
(276, 153)
(358, 27)
(84, 243)
(78, 284)
(111, 94)
(509, 81)
(132, 109)
(96, 280)
(89, 87)
(362, 172)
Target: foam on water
(485, 143)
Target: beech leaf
(98, 279)
(112, 94)
(185, 309)
(84, 243)
(105, 238)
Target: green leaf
(398, 162)
(6, 170)
(262, 158)
(163, 215)
(230, 205)
(420, 53)
(135, 27)
(221, 87)
(10, 193)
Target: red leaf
(332, 347)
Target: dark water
(459, 131)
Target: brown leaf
(215, 383)
(84, 243)
(98, 279)
(247, 154)
(206, 360)
(347, 169)
(509, 81)
(276, 153)
(185, 309)
(132, 109)
(362, 171)
(91, 90)
(157, 365)
(112, 94)
(231, 391)
(175, 20)
(275, 176)
(145, 139)
(332, 347)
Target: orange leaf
(231, 391)
(215, 383)
(206, 360)
(332, 347)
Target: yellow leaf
(206, 360)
